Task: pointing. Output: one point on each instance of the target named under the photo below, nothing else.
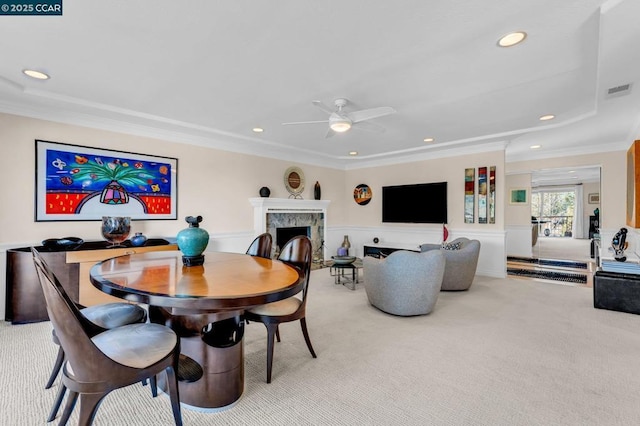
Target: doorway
(565, 206)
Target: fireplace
(283, 235)
(308, 217)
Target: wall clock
(294, 181)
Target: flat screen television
(417, 203)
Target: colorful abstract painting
(492, 194)
(469, 195)
(482, 195)
(84, 183)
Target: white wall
(518, 216)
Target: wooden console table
(24, 299)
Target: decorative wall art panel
(76, 183)
(492, 194)
(362, 194)
(469, 195)
(294, 182)
(482, 195)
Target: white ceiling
(207, 72)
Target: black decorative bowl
(63, 243)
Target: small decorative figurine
(619, 244)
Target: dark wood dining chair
(99, 361)
(107, 315)
(298, 253)
(261, 246)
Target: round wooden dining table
(204, 306)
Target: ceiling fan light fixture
(340, 126)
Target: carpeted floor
(507, 352)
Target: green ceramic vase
(192, 242)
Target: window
(554, 210)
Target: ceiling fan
(340, 121)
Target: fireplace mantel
(283, 204)
(264, 205)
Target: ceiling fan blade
(368, 114)
(323, 107)
(330, 133)
(305, 122)
(369, 126)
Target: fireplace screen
(283, 235)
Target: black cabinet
(616, 292)
(380, 251)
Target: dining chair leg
(278, 333)
(303, 324)
(172, 385)
(154, 386)
(89, 403)
(272, 329)
(56, 368)
(56, 405)
(68, 408)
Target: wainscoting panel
(492, 261)
(519, 241)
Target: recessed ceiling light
(38, 75)
(512, 39)
(547, 117)
(535, 146)
(428, 139)
(257, 130)
(353, 153)
(572, 171)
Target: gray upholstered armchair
(461, 263)
(404, 283)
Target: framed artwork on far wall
(518, 196)
(76, 183)
(594, 198)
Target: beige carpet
(508, 352)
